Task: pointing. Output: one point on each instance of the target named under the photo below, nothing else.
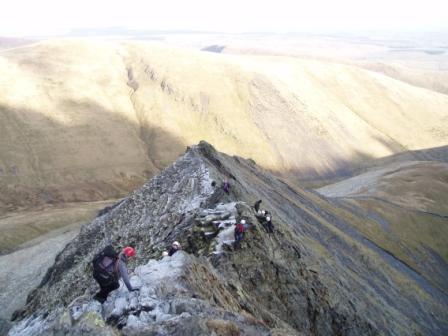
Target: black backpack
(102, 275)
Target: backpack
(105, 276)
(239, 228)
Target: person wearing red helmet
(108, 268)
(129, 251)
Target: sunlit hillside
(83, 121)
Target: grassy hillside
(31, 227)
(407, 213)
(84, 121)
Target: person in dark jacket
(257, 206)
(267, 221)
(268, 224)
(174, 248)
(226, 186)
(117, 268)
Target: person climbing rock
(268, 224)
(239, 232)
(257, 206)
(226, 186)
(175, 246)
(261, 214)
(108, 268)
(266, 220)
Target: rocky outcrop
(315, 275)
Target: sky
(21, 18)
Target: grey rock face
(5, 325)
(165, 304)
(313, 276)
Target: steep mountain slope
(83, 121)
(27, 227)
(407, 205)
(316, 275)
(426, 78)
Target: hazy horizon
(56, 18)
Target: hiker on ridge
(268, 224)
(108, 268)
(174, 248)
(239, 232)
(226, 186)
(267, 213)
(257, 206)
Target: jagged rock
(313, 276)
(164, 305)
(89, 323)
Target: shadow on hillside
(87, 155)
(94, 153)
(429, 154)
(360, 163)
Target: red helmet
(129, 251)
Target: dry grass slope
(83, 121)
(405, 204)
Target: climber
(268, 224)
(257, 206)
(240, 228)
(108, 268)
(175, 246)
(226, 186)
(261, 215)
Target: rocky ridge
(316, 275)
